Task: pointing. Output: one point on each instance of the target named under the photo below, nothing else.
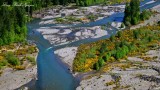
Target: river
(52, 73)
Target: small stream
(52, 73)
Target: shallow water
(52, 73)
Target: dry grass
(20, 67)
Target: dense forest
(12, 25)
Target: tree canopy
(132, 13)
(12, 24)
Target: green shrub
(91, 53)
(112, 38)
(119, 34)
(150, 39)
(32, 60)
(101, 62)
(122, 25)
(145, 15)
(59, 20)
(12, 59)
(3, 63)
(96, 66)
(31, 50)
(92, 17)
(136, 34)
(103, 48)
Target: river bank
(137, 77)
(68, 50)
(132, 78)
(144, 74)
(15, 77)
(62, 34)
(12, 79)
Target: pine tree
(132, 13)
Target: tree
(107, 57)
(112, 38)
(135, 34)
(119, 34)
(127, 15)
(103, 48)
(132, 13)
(135, 11)
(13, 24)
(101, 62)
(96, 66)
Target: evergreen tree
(127, 17)
(13, 25)
(135, 11)
(103, 48)
(132, 13)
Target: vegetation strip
(127, 43)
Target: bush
(12, 59)
(101, 62)
(92, 17)
(91, 53)
(145, 15)
(96, 66)
(112, 38)
(32, 60)
(103, 48)
(150, 39)
(31, 50)
(122, 25)
(59, 20)
(3, 63)
(119, 34)
(136, 34)
(72, 19)
(108, 55)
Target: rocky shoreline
(12, 79)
